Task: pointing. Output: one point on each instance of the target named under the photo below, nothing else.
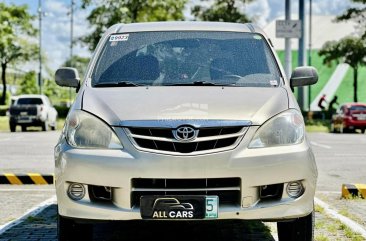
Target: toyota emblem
(185, 133)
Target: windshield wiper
(199, 83)
(117, 84)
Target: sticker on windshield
(273, 82)
(119, 37)
(256, 36)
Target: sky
(56, 23)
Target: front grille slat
(227, 189)
(208, 140)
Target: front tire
(12, 127)
(301, 229)
(45, 126)
(68, 229)
(24, 128)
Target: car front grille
(208, 140)
(227, 189)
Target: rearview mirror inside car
(305, 75)
(68, 77)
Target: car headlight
(286, 128)
(83, 130)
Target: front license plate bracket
(179, 207)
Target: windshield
(186, 58)
(30, 101)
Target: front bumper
(26, 120)
(254, 167)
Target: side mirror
(68, 77)
(305, 75)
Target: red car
(349, 117)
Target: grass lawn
(345, 89)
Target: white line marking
(346, 221)
(31, 212)
(320, 145)
(26, 190)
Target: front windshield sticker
(256, 36)
(273, 82)
(119, 37)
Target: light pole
(71, 39)
(40, 13)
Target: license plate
(23, 113)
(24, 120)
(179, 207)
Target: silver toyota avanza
(185, 121)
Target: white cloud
(260, 12)
(56, 32)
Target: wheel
(301, 229)
(332, 129)
(12, 127)
(68, 230)
(45, 126)
(24, 128)
(53, 128)
(342, 129)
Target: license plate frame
(184, 207)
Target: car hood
(185, 102)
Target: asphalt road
(341, 158)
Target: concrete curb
(354, 190)
(27, 178)
(31, 212)
(346, 221)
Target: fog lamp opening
(295, 189)
(76, 191)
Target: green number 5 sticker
(212, 206)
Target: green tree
(350, 50)
(356, 13)
(222, 11)
(15, 28)
(110, 12)
(28, 85)
(80, 63)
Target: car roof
(31, 96)
(184, 26)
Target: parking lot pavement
(16, 200)
(44, 227)
(23, 152)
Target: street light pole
(40, 46)
(71, 39)
(288, 53)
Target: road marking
(24, 190)
(31, 212)
(346, 221)
(320, 145)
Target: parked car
(32, 110)
(349, 117)
(196, 113)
